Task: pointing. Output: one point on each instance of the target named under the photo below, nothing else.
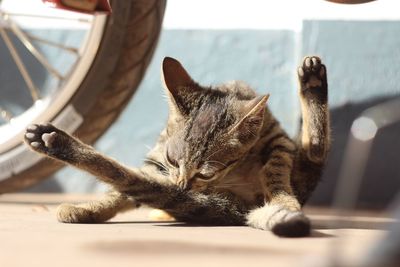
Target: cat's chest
(245, 180)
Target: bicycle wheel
(83, 97)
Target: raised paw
(312, 77)
(46, 139)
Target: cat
(222, 159)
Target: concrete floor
(31, 236)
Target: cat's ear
(252, 118)
(179, 85)
(174, 75)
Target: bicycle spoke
(20, 65)
(64, 55)
(5, 115)
(54, 44)
(31, 48)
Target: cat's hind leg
(97, 211)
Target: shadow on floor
(380, 183)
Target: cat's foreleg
(313, 90)
(183, 205)
(314, 140)
(282, 212)
(291, 177)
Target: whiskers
(215, 152)
(212, 162)
(149, 148)
(165, 97)
(230, 185)
(250, 132)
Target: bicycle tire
(128, 42)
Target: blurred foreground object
(89, 6)
(350, 1)
(386, 252)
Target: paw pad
(48, 138)
(40, 137)
(312, 74)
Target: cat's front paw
(46, 139)
(291, 224)
(280, 220)
(312, 78)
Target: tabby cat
(222, 159)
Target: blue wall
(363, 61)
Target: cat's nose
(184, 184)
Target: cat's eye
(171, 160)
(160, 167)
(204, 176)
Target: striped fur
(222, 159)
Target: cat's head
(209, 129)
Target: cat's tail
(314, 139)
